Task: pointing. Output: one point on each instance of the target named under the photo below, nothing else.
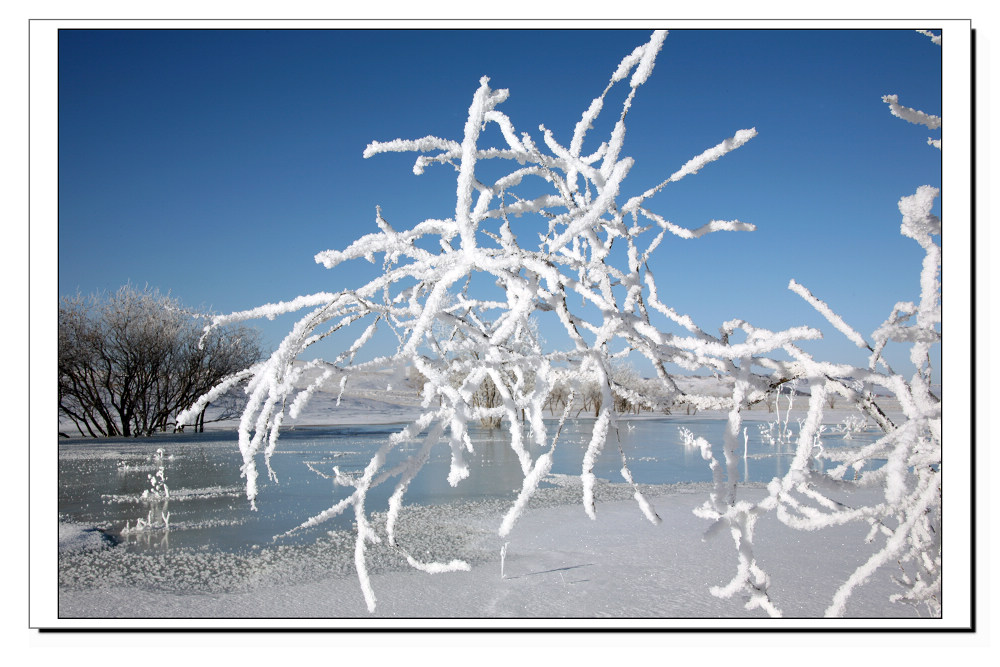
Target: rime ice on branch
(904, 464)
(913, 115)
(429, 297)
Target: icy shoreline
(559, 564)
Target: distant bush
(129, 362)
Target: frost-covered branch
(936, 39)
(904, 464)
(482, 358)
(914, 116)
(463, 294)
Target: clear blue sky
(216, 164)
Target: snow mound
(75, 537)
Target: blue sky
(216, 164)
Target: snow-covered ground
(558, 565)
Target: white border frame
(956, 356)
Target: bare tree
(129, 362)
(488, 396)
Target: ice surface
(558, 564)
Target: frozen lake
(101, 482)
